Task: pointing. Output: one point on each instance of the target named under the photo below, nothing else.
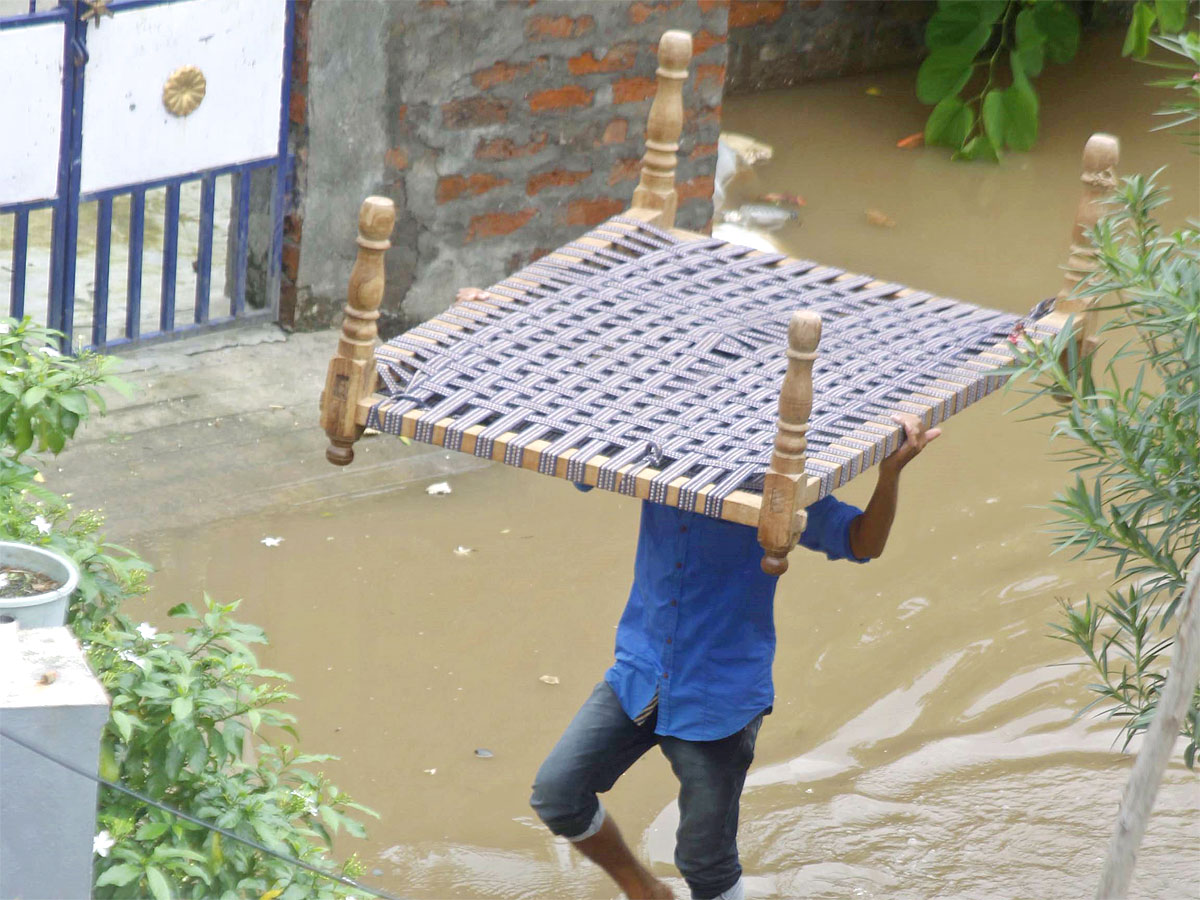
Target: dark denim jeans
(602, 742)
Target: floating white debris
(992, 500)
(271, 541)
(463, 551)
(430, 771)
(549, 679)
(505, 530)
(436, 490)
(484, 753)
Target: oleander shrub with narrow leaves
(196, 723)
(1131, 428)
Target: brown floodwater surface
(926, 739)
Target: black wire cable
(189, 818)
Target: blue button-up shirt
(699, 628)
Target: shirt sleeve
(828, 528)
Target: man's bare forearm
(869, 532)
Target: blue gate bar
(20, 249)
(60, 313)
(133, 293)
(204, 254)
(166, 321)
(241, 245)
(100, 294)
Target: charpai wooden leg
(1100, 157)
(351, 376)
(656, 186)
(782, 518)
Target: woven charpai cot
(663, 353)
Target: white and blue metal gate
(127, 129)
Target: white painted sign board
(128, 135)
(31, 59)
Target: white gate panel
(31, 60)
(129, 136)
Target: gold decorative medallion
(184, 90)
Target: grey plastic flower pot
(41, 610)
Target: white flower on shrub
(48, 351)
(102, 843)
(40, 523)
(4, 328)
(130, 656)
(310, 805)
(147, 631)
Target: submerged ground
(925, 739)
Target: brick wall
(778, 43)
(500, 129)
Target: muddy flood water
(925, 740)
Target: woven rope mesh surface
(666, 355)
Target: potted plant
(35, 584)
(44, 394)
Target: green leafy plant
(44, 394)
(974, 47)
(196, 723)
(189, 715)
(985, 54)
(1184, 62)
(1132, 430)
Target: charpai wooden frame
(795, 478)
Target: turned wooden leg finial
(1100, 156)
(351, 376)
(782, 518)
(656, 187)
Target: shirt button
(683, 529)
(668, 640)
(666, 674)
(679, 565)
(674, 602)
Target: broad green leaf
(152, 831)
(1030, 41)
(950, 24)
(109, 770)
(22, 432)
(181, 708)
(120, 875)
(944, 73)
(1172, 15)
(157, 881)
(1137, 38)
(1059, 25)
(33, 396)
(993, 118)
(182, 609)
(949, 123)
(1020, 109)
(75, 401)
(124, 723)
(978, 147)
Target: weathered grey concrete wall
(501, 130)
(778, 43)
(49, 699)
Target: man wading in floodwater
(693, 675)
